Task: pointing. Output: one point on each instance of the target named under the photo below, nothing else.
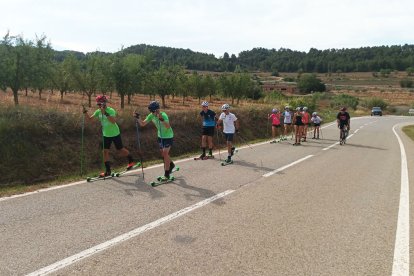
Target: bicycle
(343, 134)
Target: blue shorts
(165, 142)
(229, 136)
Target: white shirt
(288, 117)
(316, 119)
(228, 122)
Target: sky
(210, 26)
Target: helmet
(225, 107)
(153, 106)
(204, 103)
(298, 108)
(101, 99)
(314, 113)
(287, 107)
(274, 110)
(305, 108)
(343, 108)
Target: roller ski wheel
(225, 163)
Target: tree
(310, 83)
(15, 64)
(127, 72)
(87, 74)
(42, 65)
(197, 86)
(162, 82)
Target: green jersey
(163, 132)
(108, 129)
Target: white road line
(331, 146)
(287, 166)
(401, 263)
(124, 237)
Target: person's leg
(203, 145)
(273, 132)
(210, 144)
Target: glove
(107, 114)
(136, 115)
(237, 131)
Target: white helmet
(314, 113)
(225, 107)
(305, 108)
(287, 107)
(204, 103)
(274, 110)
(298, 108)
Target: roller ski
(275, 141)
(130, 167)
(227, 162)
(163, 179)
(204, 157)
(101, 176)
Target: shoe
(202, 156)
(313, 137)
(228, 160)
(163, 178)
(130, 166)
(172, 166)
(105, 174)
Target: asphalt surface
(333, 212)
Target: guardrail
(411, 112)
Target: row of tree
(33, 65)
(364, 59)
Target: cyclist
(344, 124)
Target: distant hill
(364, 59)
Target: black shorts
(317, 125)
(117, 141)
(276, 126)
(208, 131)
(229, 136)
(288, 124)
(165, 142)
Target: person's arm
(140, 121)
(163, 119)
(237, 125)
(110, 116)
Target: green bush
(344, 100)
(42, 145)
(370, 103)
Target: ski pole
(218, 142)
(83, 128)
(139, 146)
(244, 140)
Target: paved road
(316, 209)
